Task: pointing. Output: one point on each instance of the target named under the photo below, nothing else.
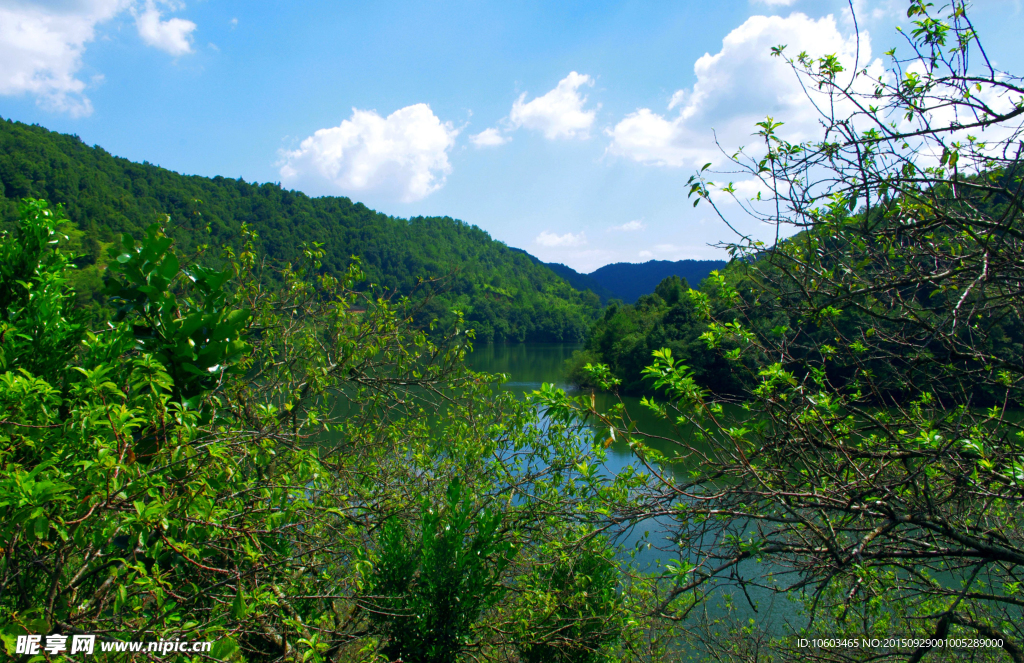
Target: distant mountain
(629, 280)
(581, 281)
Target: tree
(877, 462)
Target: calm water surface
(529, 365)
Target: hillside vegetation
(582, 281)
(505, 294)
(285, 469)
(627, 335)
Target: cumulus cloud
(173, 35)
(402, 156)
(735, 88)
(489, 138)
(648, 137)
(550, 239)
(41, 48)
(875, 10)
(559, 113)
(42, 43)
(631, 226)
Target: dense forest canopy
(582, 281)
(505, 294)
(627, 335)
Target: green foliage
(573, 611)
(97, 539)
(626, 337)
(198, 336)
(39, 328)
(428, 594)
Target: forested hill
(629, 281)
(506, 294)
(581, 281)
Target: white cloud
(583, 261)
(881, 9)
(631, 226)
(403, 156)
(668, 251)
(549, 239)
(775, 3)
(42, 43)
(41, 48)
(489, 138)
(559, 113)
(173, 36)
(648, 137)
(743, 191)
(735, 88)
(677, 98)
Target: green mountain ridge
(581, 281)
(631, 280)
(505, 294)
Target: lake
(531, 364)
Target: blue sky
(567, 129)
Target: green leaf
(239, 609)
(224, 649)
(41, 527)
